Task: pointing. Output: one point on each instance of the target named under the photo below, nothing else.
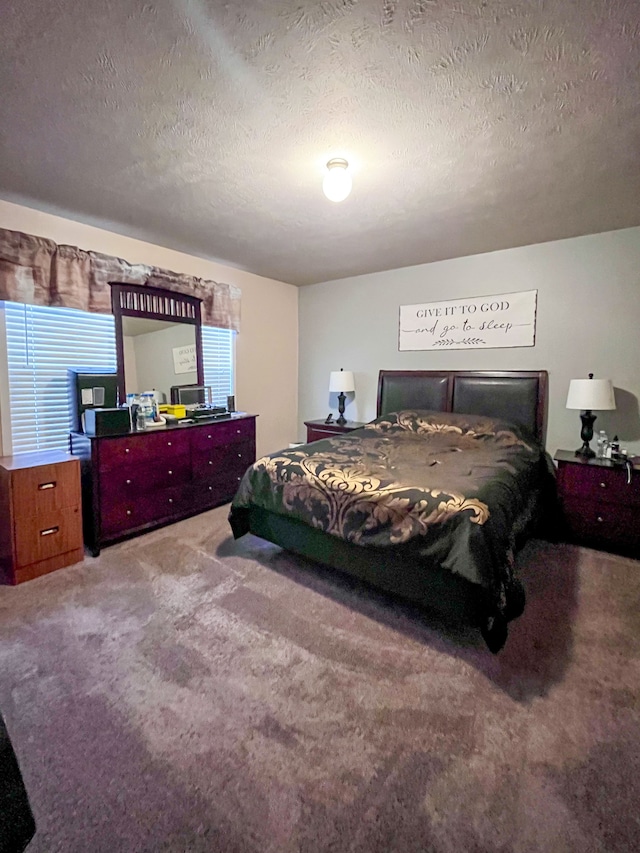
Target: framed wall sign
(184, 359)
(480, 322)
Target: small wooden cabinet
(135, 482)
(600, 502)
(40, 514)
(319, 429)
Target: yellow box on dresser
(40, 514)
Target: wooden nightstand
(319, 429)
(600, 508)
(40, 514)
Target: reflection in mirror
(157, 355)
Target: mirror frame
(138, 300)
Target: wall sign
(480, 322)
(184, 359)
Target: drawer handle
(603, 485)
(49, 531)
(128, 482)
(238, 478)
(210, 462)
(239, 455)
(43, 486)
(128, 512)
(169, 472)
(237, 432)
(599, 519)
(208, 436)
(168, 444)
(170, 500)
(126, 450)
(210, 488)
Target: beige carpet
(183, 692)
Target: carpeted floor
(183, 692)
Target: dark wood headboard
(519, 396)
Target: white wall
(155, 369)
(588, 320)
(267, 346)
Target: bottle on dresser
(602, 445)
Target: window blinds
(43, 342)
(217, 357)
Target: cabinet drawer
(225, 432)
(46, 488)
(601, 484)
(136, 449)
(49, 534)
(600, 522)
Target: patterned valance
(38, 271)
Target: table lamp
(586, 395)
(341, 381)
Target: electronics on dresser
(102, 422)
(190, 395)
(198, 412)
(90, 389)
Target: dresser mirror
(158, 339)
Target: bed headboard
(518, 396)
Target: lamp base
(341, 420)
(586, 434)
(585, 452)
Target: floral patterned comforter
(450, 487)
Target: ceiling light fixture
(337, 182)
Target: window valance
(37, 271)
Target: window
(43, 342)
(217, 357)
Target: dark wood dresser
(40, 514)
(601, 508)
(320, 429)
(139, 481)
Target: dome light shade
(337, 182)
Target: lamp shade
(591, 394)
(341, 381)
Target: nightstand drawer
(317, 430)
(599, 522)
(608, 485)
(315, 434)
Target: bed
(430, 501)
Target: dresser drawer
(47, 535)
(224, 432)
(46, 488)
(135, 449)
(215, 492)
(135, 481)
(220, 461)
(602, 484)
(121, 514)
(599, 522)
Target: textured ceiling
(471, 125)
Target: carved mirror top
(156, 361)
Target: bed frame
(516, 396)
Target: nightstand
(319, 429)
(600, 508)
